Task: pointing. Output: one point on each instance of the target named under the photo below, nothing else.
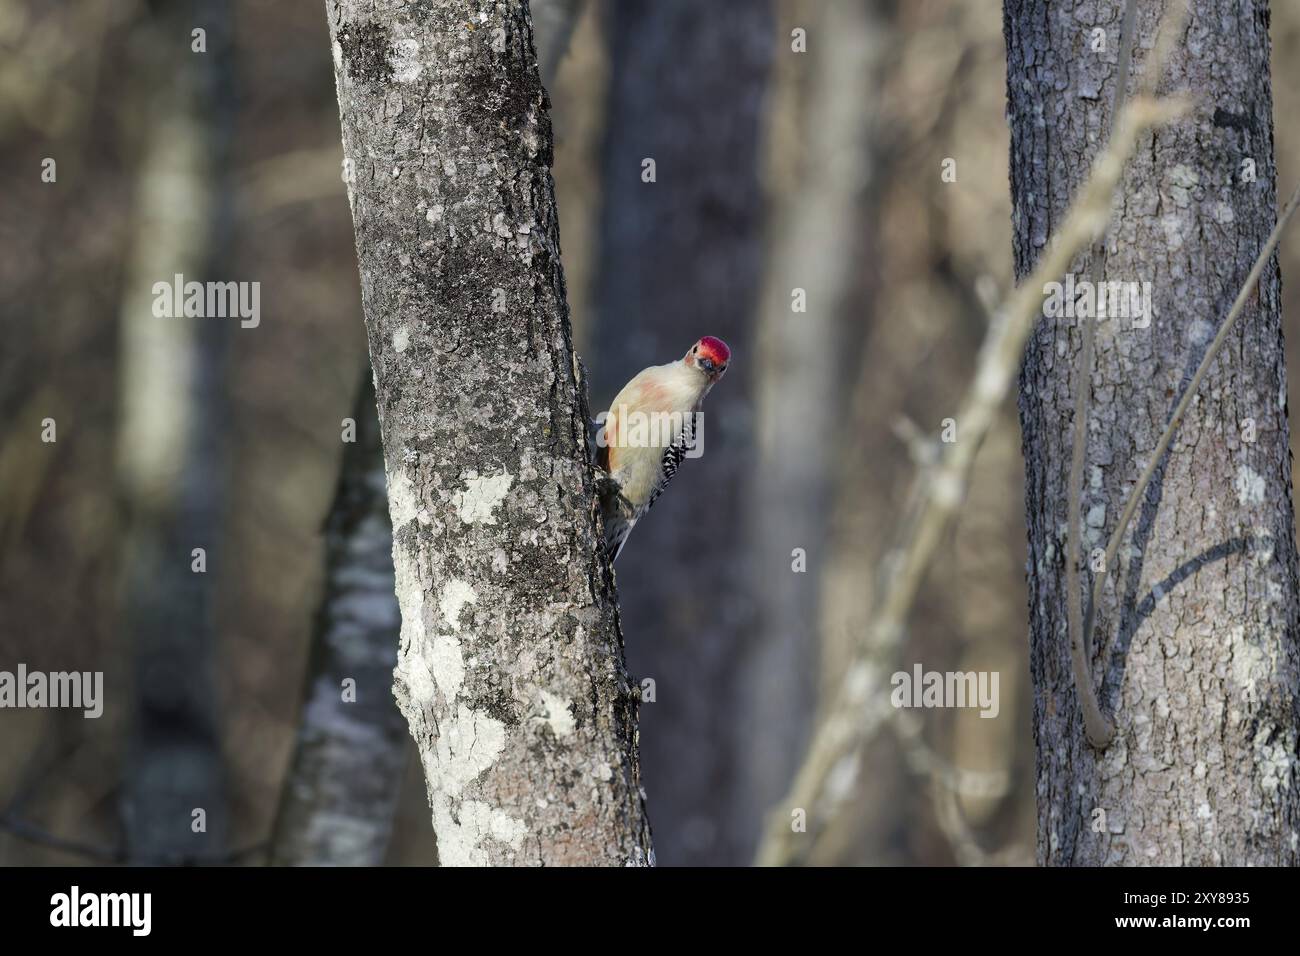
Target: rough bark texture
(681, 257)
(343, 783)
(510, 671)
(1203, 682)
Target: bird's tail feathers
(616, 533)
(618, 520)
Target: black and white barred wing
(620, 518)
(674, 455)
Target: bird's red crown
(715, 349)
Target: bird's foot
(608, 487)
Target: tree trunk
(1203, 681)
(169, 449)
(341, 791)
(682, 257)
(816, 243)
(510, 668)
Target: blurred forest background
(776, 170)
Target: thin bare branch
(1099, 728)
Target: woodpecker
(649, 428)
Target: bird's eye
(695, 349)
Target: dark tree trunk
(1203, 684)
(170, 453)
(681, 257)
(341, 791)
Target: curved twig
(1099, 728)
(1135, 496)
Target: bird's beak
(707, 365)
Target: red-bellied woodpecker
(651, 425)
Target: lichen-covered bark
(510, 670)
(344, 779)
(1204, 681)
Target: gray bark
(680, 258)
(341, 791)
(1204, 679)
(510, 668)
(169, 448)
(343, 786)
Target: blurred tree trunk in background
(941, 87)
(1204, 681)
(682, 257)
(823, 166)
(510, 670)
(553, 24)
(577, 95)
(341, 791)
(169, 449)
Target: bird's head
(711, 356)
